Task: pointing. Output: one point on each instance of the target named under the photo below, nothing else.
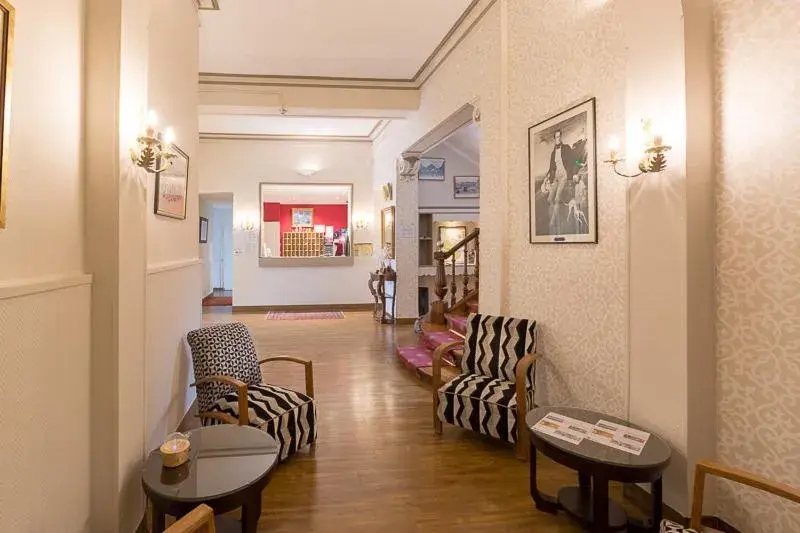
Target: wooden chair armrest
(437, 363)
(200, 519)
(704, 468)
(521, 377)
(309, 369)
(225, 418)
(241, 394)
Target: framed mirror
(6, 49)
(387, 231)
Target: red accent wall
(327, 214)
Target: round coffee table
(228, 467)
(597, 464)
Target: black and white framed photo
(466, 187)
(172, 187)
(203, 230)
(562, 178)
(431, 168)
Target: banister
(460, 244)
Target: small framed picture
(563, 177)
(203, 230)
(466, 187)
(303, 217)
(7, 15)
(431, 169)
(172, 186)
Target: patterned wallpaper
(758, 255)
(578, 292)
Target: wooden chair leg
(437, 424)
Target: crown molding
(458, 32)
(270, 137)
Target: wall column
(407, 234)
(115, 57)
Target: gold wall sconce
(153, 148)
(654, 160)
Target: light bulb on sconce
(654, 159)
(153, 149)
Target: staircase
(447, 320)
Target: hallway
(377, 465)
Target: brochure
(603, 432)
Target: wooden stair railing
(440, 307)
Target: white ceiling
(272, 125)
(305, 194)
(332, 38)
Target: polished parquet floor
(377, 466)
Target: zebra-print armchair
(495, 389)
(230, 388)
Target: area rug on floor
(289, 315)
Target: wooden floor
(377, 466)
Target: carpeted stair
(419, 358)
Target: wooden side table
(378, 282)
(588, 503)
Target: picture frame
(431, 169)
(303, 217)
(7, 16)
(562, 177)
(466, 187)
(172, 186)
(449, 236)
(203, 230)
(388, 231)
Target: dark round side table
(597, 464)
(228, 468)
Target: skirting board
(641, 499)
(405, 321)
(301, 308)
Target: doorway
(217, 255)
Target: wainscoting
(44, 369)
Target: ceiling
(305, 194)
(466, 141)
(386, 39)
(300, 126)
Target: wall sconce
(654, 160)
(153, 151)
(360, 222)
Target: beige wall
(758, 254)
(239, 166)
(44, 295)
(174, 270)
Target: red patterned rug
(215, 301)
(289, 315)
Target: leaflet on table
(620, 437)
(563, 427)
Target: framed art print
(466, 187)
(431, 168)
(6, 49)
(203, 230)
(562, 177)
(172, 186)
(303, 217)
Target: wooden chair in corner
(498, 369)
(230, 388)
(199, 520)
(704, 469)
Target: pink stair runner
(419, 358)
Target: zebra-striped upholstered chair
(230, 388)
(495, 389)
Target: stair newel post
(453, 286)
(477, 264)
(466, 269)
(438, 308)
